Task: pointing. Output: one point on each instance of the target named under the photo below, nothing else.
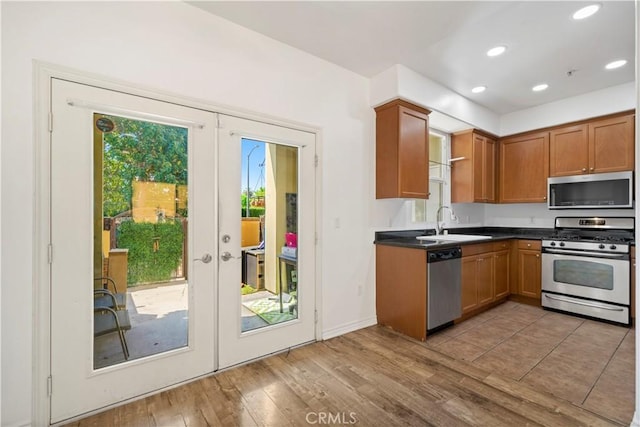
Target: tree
(140, 150)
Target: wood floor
(371, 377)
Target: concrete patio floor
(159, 323)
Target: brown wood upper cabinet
(402, 151)
(598, 146)
(524, 168)
(473, 179)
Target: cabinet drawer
(529, 244)
(469, 250)
(500, 246)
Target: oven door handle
(583, 253)
(572, 301)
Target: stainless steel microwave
(592, 191)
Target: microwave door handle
(594, 254)
(572, 301)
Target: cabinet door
(501, 273)
(524, 168)
(469, 284)
(478, 167)
(611, 145)
(569, 151)
(413, 154)
(529, 273)
(484, 163)
(484, 277)
(489, 170)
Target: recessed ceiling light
(538, 88)
(495, 51)
(479, 89)
(586, 11)
(615, 64)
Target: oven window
(583, 273)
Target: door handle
(206, 258)
(226, 256)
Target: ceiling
(447, 41)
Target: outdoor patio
(159, 322)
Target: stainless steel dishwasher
(443, 287)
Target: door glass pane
(583, 273)
(140, 239)
(269, 210)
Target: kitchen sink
(454, 237)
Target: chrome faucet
(438, 226)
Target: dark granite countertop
(407, 238)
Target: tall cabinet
(402, 151)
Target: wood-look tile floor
(512, 366)
(588, 363)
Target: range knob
(601, 246)
(612, 247)
(561, 243)
(553, 243)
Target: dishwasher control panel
(444, 254)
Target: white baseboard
(349, 327)
(635, 422)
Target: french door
(167, 260)
(269, 247)
(132, 217)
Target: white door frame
(43, 73)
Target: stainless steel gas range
(586, 268)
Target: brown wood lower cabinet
(529, 268)
(488, 273)
(485, 274)
(469, 294)
(401, 289)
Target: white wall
(177, 48)
(537, 215)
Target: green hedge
(149, 261)
(253, 212)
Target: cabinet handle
(528, 245)
(544, 198)
(584, 169)
(591, 169)
(537, 255)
